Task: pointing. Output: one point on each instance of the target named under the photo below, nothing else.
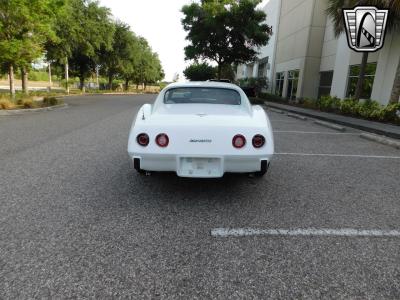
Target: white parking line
(345, 232)
(315, 132)
(339, 155)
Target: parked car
(201, 129)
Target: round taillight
(162, 140)
(238, 141)
(142, 139)
(258, 141)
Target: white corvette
(201, 129)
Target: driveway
(76, 220)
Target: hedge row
(366, 109)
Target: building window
(368, 80)
(249, 70)
(325, 83)
(280, 78)
(293, 80)
(262, 67)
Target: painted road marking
(339, 155)
(344, 232)
(315, 132)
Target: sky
(159, 21)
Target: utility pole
(66, 76)
(50, 82)
(97, 76)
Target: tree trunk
(11, 76)
(110, 80)
(394, 97)
(126, 84)
(219, 70)
(24, 77)
(82, 83)
(66, 76)
(361, 76)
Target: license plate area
(200, 167)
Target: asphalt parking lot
(76, 220)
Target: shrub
(50, 101)
(6, 104)
(328, 103)
(199, 72)
(28, 103)
(391, 113)
(271, 97)
(308, 103)
(38, 76)
(369, 109)
(162, 85)
(256, 101)
(257, 84)
(348, 107)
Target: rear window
(202, 95)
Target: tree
(147, 66)
(115, 58)
(153, 71)
(25, 26)
(95, 35)
(225, 32)
(227, 72)
(199, 72)
(131, 66)
(67, 30)
(334, 11)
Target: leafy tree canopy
(25, 26)
(95, 35)
(227, 31)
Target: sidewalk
(392, 131)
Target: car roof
(210, 84)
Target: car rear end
(202, 140)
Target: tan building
(309, 61)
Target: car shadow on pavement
(169, 187)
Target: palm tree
(334, 11)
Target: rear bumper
(223, 164)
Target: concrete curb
(276, 110)
(381, 140)
(330, 125)
(13, 112)
(296, 116)
(327, 118)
